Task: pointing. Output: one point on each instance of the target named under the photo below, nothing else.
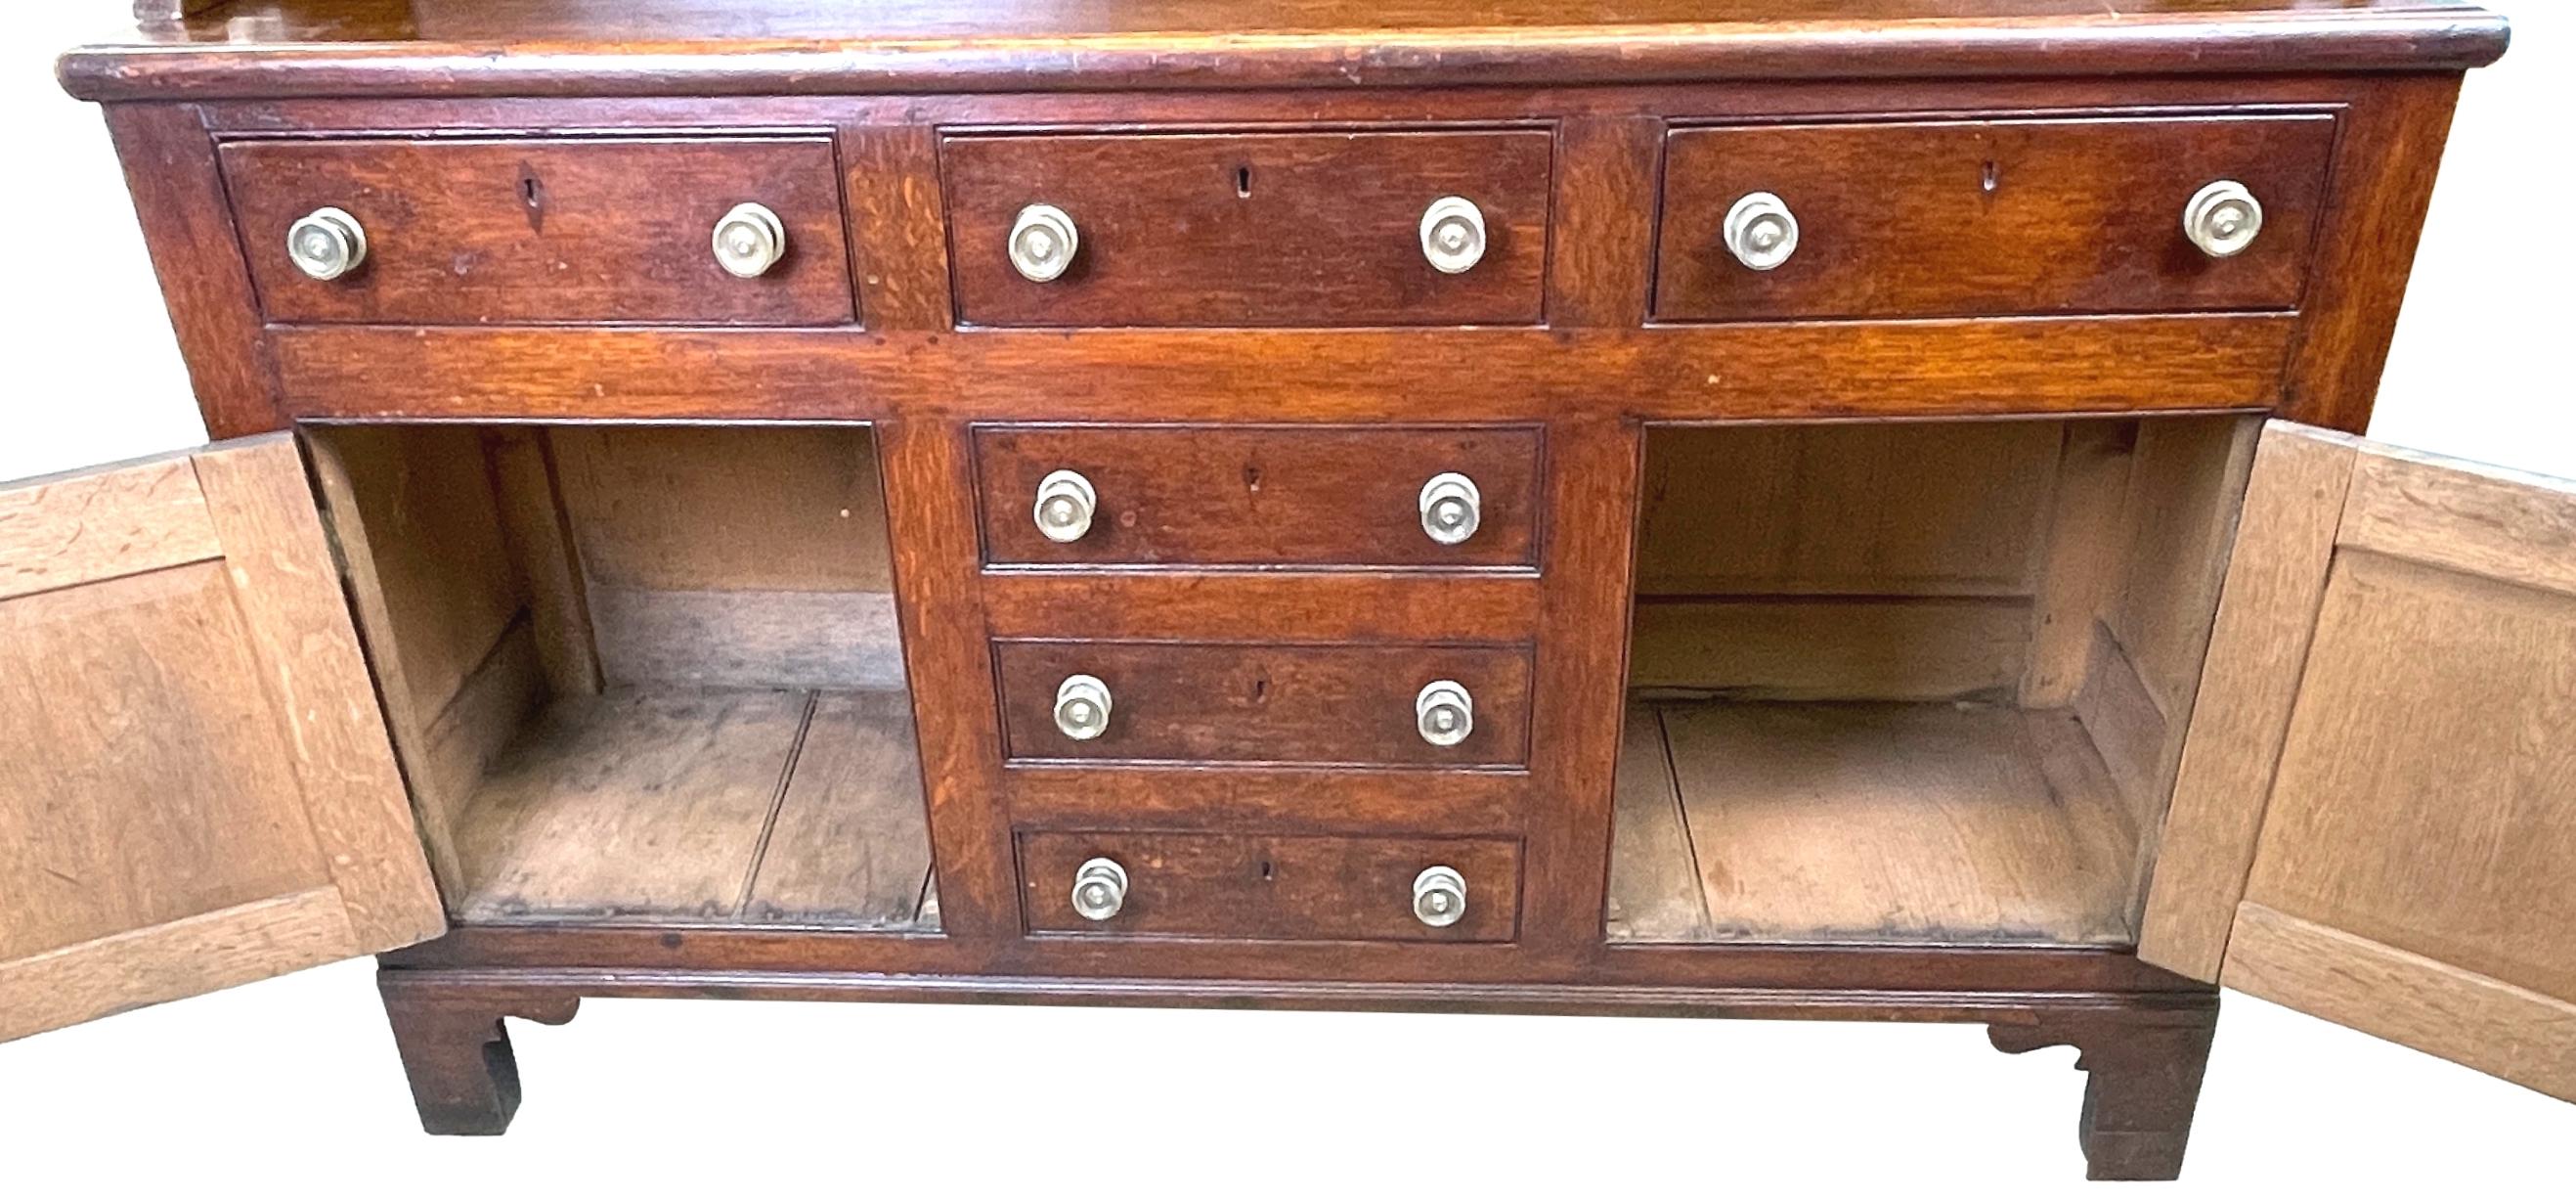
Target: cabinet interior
(1914, 683)
(639, 673)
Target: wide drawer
(537, 230)
(1988, 217)
(1264, 704)
(1274, 887)
(1236, 495)
(1237, 229)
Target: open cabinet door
(2375, 819)
(196, 786)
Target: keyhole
(1252, 478)
(1243, 182)
(532, 196)
(1260, 689)
(1993, 176)
(1266, 871)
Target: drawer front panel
(1278, 887)
(1254, 703)
(1975, 218)
(1229, 229)
(536, 230)
(1263, 496)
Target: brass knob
(1453, 234)
(1439, 897)
(1451, 508)
(1082, 707)
(1761, 232)
(1064, 507)
(2223, 219)
(326, 244)
(1444, 713)
(1099, 889)
(749, 241)
(1043, 242)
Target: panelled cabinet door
(196, 785)
(2375, 820)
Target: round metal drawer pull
(1439, 897)
(1444, 713)
(1451, 508)
(1099, 889)
(1064, 507)
(326, 244)
(1082, 707)
(1043, 242)
(749, 241)
(1761, 232)
(1453, 235)
(2223, 219)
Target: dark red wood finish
(1250, 229)
(1989, 217)
(1264, 703)
(1254, 634)
(541, 230)
(1259, 495)
(1270, 887)
(768, 47)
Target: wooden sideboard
(1810, 508)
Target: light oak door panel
(198, 789)
(2376, 815)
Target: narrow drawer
(1263, 704)
(1272, 887)
(1261, 495)
(1236, 229)
(537, 230)
(1988, 217)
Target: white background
(291, 1086)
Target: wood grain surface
(1264, 703)
(1243, 229)
(1261, 887)
(469, 232)
(1259, 495)
(1989, 217)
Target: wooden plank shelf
(723, 806)
(1937, 823)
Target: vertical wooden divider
(1595, 462)
(1594, 465)
(890, 187)
(930, 514)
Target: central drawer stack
(1335, 734)
(1120, 748)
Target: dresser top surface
(681, 47)
(269, 22)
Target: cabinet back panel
(1873, 510)
(745, 557)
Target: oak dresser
(1770, 508)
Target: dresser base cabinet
(2388, 638)
(1833, 512)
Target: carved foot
(464, 1078)
(2142, 1080)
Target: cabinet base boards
(2143, 1052)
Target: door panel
(2376, 816)
(199, 790)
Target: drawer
(536, 230)
(1262, 704)
(1261, 496)
(1271, 887)
(1235, 229)
(1981, 218)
